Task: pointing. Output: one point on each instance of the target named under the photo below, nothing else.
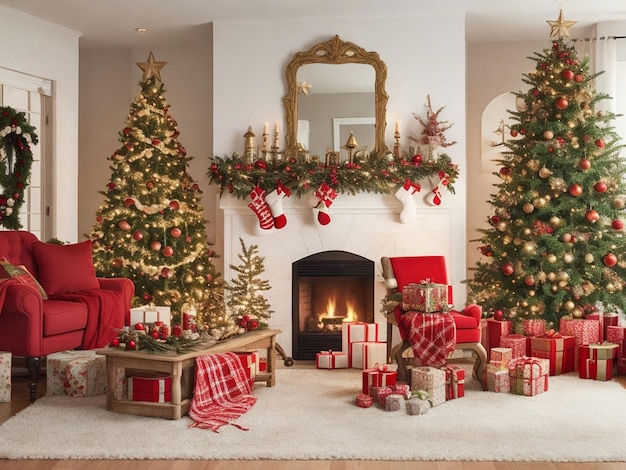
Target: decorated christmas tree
(555, 246)
(150, 226)
(246, 303)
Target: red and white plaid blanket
(432, 336)
(222, 392)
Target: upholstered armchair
(51, 300)
(400, 271)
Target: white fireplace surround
(365, 224)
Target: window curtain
(602, 53)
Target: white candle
(398, 126)
(276, 130)
(265, 128)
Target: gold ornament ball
(569, 305)
(568, 257)
(554, 220)
(548, 135)
(188, 278)
(544, 173)
(551, 258)
(589, 258)
(618, 203)
(528, 208)
(577, 313)
(551, 277)
(566, 237)
(540, 202)
(527, 231)
(610, 287)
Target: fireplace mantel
(365, 224)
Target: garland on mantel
(374, 174)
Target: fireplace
(329, 288)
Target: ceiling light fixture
(141, 30)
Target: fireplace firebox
(328, 289)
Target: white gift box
(331, 360)
(150, 314)
(366, 355)
(5, 376)
(358, 332)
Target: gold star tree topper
(560, 27)
(151, 68)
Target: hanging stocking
(326, 195)
(441, 188)
(260, 208)
(405, 195)
(275, 201)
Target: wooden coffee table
(181, 368)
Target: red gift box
(425, 297)
(378, 377)
(248, 361)
(455, 382)
(610, 319)
(617, 335)
(597, 369)
(519, 344)
(364, 401)
(534, 327)
(153, 388)
(496, 329)
(585, 330)
(599, 317)
(560, 350)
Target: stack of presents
(521, 363)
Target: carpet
(310, 414)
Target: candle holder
(351, 144)
(250, 148)
(397, 151)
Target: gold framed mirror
(335, 52)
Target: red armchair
(413, 269)
(32, 326)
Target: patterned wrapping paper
(381, 394)
(416, 406)
(501, 354)
(366, 355)
(331, 360)
(519, 344)
(498, 381)
(359, 332)
(597, 369)
(494, 366)
(402, 389)
(496, 330)
(393, 402)
(378, 377)
(610, 319)
(599, 317)
(425, 297)
(432, 380)
(534, 327)
(364, 401)
(585, 331)
(560, 350)
(529, 375)
(76, 373)
(617, 335)
(5, 376)
(455, 382)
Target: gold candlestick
(351, 144)
(250, 150)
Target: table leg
(271, 361)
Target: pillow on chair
(21, 274)
(65, 268)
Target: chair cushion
(65, 268)
(20, 274)
(60, 316)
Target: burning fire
(331, 319)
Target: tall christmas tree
(150, 226)
(246, 302)
(555, 246)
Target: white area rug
(310, 414)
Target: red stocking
(326, 195)
(441, 188)
(260, 208)
(275, 202)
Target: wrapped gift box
(5, 376)
(498, 381)
(378, 377)
(425, 297)
(534, 327)
(380, 394)
(584, 330)
(494, 366)
(393, 402)
(416, 406)
(529, 375)
(519, 344)
(431, 380)
(597, 369)
(558, 349)
(364, 401)
(455, 381)
(367, 355)
(496, 330)
(75, 373)
(599, 317)
(156, 388)
(359, 332)
(249, 361)
(604, 350)
(501, 354)
(610, 319)
(150, 314)
(617, 334)
(331, 360)
(402, 389)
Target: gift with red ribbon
(519, 345)
(596, 361)
(559, 349)
(617, 334)
(455, 381)
(496, 330)
(529, 375)
(379, 376)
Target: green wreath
(16, 161)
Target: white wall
(48, 51)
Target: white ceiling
(111, 23)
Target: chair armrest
(123, 285)
(473, 310)
(23, 300)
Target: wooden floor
(20, 400)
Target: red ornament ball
(131, 345)
(150, 184)
(155, 245)
(175, 232)
(139, 327)
(174, 205)
(123, 225)
(260, 164)
(498, 315)
(584, 164)
(168, 251)
(578, 78)
(600, 187)
(617, 224)
(575, 190)
(599, 143)
(137, 236)
(505, 171)
(592, 216)
(561, 103)
(507, 268)
(609, 260)
(115, 343)
(129, 202)
(513, 133)
(417, 158)
(567, 74)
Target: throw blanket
(105, 315)
(432, 336)
(222, 392)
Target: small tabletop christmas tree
(246, 304)
(556, 238)
(150, 226)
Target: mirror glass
(334, 89)
(339, 99)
